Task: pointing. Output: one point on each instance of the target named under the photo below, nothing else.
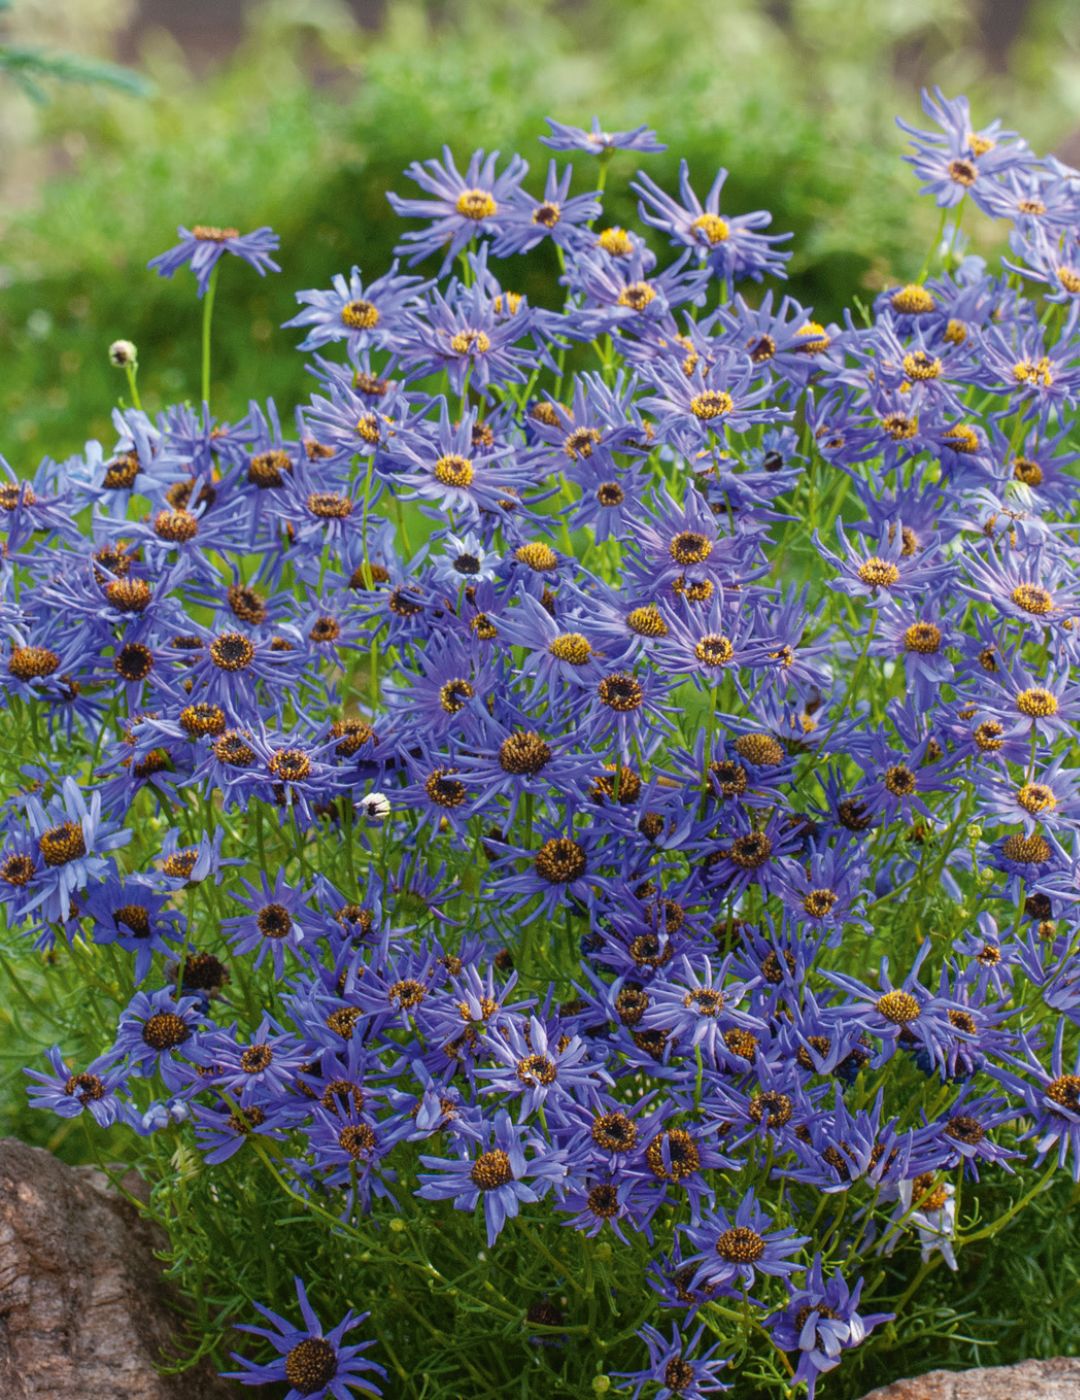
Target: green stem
(207, 320)
(132, 372)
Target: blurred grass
(312, 119)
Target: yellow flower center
(571, 647)
(637, 296)
(920, 365)
(453, 470)
(898, 1007)
(815, 339)
(912, 300)
(711, 403)
(1037, 703)
(646, 621)
(537, 556)
(1033, 599)
(1026, 850)
(712, 226)
(617, 242)
(470, 343)
(962, 438)
(1037, 373)
(899, 426)
(1036, 797)
(878, 573)
(476, 205)
(714, 650)
(923, 637)
(360, 316)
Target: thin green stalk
(132, 372)
(207, 321)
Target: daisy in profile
(598, 142)
(204, 246)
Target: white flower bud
(375, 807)
(122, 353)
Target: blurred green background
(302, 115)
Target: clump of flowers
(575, 822)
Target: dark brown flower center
(273, 921)
(1065, 1091)
(266, 470)
(133, 662)
(311, 1365)
(85, 1086)
(202, 719)
(614, 1132)
(560, 861)
(62, 844)
(256, 1058)
(683, 1155)
(900, 1008)
(965, 1129)
(232, 651)
(358, 1140)
(290, 765)
(165, 1030)
(740, 1245)
(536, 1070)
(491, 1170)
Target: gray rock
(1030, 1380)
(84, 1310)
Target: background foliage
(312, 117)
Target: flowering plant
(575, 824)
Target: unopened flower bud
(601, 1385)
(122, 353)
(375, 807)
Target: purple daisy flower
(598, 142)
(461, 207)
(729, 244)
(516, 1168)
(673, 1367)
(539, 1065)
(72, 840)
(313, 1362)
(958, 160)
(204, 246)
(96, 1089)
(908, 1014)
(557, 216)
(697, 1006)
(882, 573)
(730, 1250)
(153, 1029)
(1051, 1097)
(361, 316)
(821, 1321)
